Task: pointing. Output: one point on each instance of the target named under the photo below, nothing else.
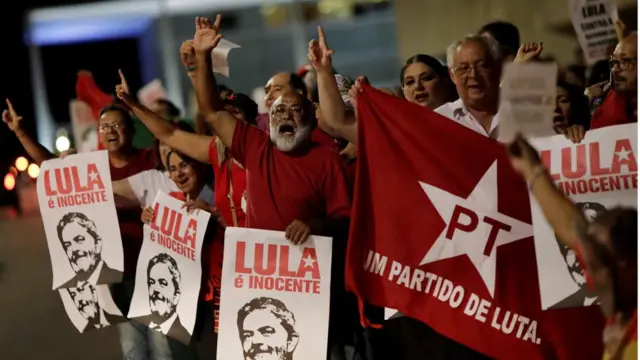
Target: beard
(161, 306)
(286, 143)
(83, 261)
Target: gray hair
(491, 44)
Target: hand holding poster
(270, 286)
(80, 221)
(599, 173)
(594, 21)
(90, 307)
(169, 271)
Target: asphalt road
(33, 323)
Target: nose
(420, 86)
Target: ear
(99, 245)
(292, 343)
(452, 76)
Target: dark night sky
(60, 66)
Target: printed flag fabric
(441, 230)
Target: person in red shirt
(620, 106)
(189, 175)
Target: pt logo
(474, 227)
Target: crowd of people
(293, 170)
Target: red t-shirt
(283, 187)
(613, 111)
(129, 219)
(222, 189)
(212, 252)
(320, 137)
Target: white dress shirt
(165, 326)
(459, 113)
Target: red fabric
(88, 91)
(212, 252)
(402, 144)
(350, 167)
(305, 185)
(322, 138)
(221, 187)
(129, 219)
(613, 111)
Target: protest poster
(527, 99)
(169, 270)
(597, 174)
(90, 307)
(593, 21)
(80, 221)
(275, 296)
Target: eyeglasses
(107, 127)
(623, 63)
(295, 110)
(465, 70)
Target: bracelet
(540, 170)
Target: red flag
(441, 230)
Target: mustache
(156, 296)
(77, 254)
(255, 350)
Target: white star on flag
(93, 176)
(191, 232)
(623, 154)
(483, 200)
(308, 261)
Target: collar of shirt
(459, 112)
(103, 319)
(165, 326)
(93, 279)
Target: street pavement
(33, 323)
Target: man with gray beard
(294, 185)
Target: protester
(620, 105)
(279, 84)
(607, 248)
(506, 34)
(426, 82)
(166, 109)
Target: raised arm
(193, 145)
(331, 102)
(36, 151)
(206, 38)
(563, 216)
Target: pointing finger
(216, 25)
(321, 37)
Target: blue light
(84, 30)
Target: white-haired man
(474, 65)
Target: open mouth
(112, 140)
(183, 182)
(421, 97)
(286, 129)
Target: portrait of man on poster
(267, 330)
(582, 297)
(82, 244)
(85, 299)
(163, 283)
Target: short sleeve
(337, 194)
(246, 141)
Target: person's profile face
(85, 299)
(163, 295)
(263, 337)
(624, 69)
(80, 246)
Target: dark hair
(223, 88)
(126, 116)
(580, 71)
(506, 34)
(182, 125)
(277, 308)
(82, 220)
(600, 71)
(580, 114)
(623, 229)
(171, 263)
(173, 110)
(441, 71)
(298, 84)
(245, 104)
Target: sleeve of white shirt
(146, 184)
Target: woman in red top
(190, 176)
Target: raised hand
(527, 52)
(11, 118)
(207, 35)
(356, 89)
(187, 54)
(320, 53)
(524, 158)
(122, 90)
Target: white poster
(599, 173)
(84, 126)
(169, 271)
(594, 21)
(527, 100)
(275, 296)
(80, 220)
(90, 307)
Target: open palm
(207, 36)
